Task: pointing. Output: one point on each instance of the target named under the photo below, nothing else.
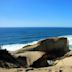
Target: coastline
(14, 47)
(37, 54)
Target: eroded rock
(7, 60)
(47, 49)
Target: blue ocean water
(10, 36)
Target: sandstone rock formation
(35, 55)
(47, 49)
(33, 58)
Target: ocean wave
(14, 47)
(69, 38)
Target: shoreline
(17, 46)
(46, 55)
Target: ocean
(15, 38)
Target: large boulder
(53, 47)
(45, 50)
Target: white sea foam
(69, 38)
(13, 47)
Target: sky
(35, 13)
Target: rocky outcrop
(7, 60)
(47, 49)
(37, 55)
(31, 58)
(52, 46)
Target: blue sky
(35, 13)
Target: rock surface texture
(37, 55)
(7, 60)
(47, 49)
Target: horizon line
(37, 27)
